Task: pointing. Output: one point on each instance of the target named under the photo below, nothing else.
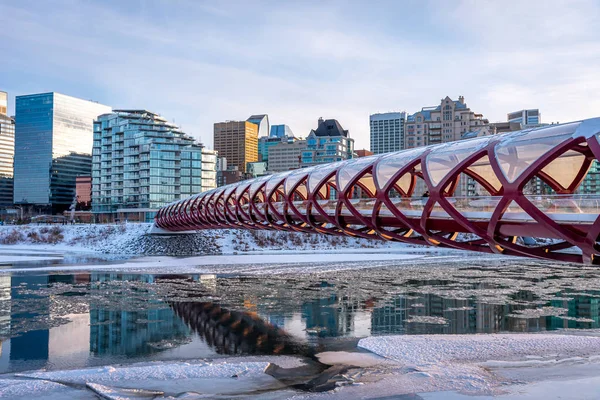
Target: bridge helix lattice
(521, 185)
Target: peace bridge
(413, 196)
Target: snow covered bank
(134, 239)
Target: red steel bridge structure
(520, 185)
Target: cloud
(201, 62)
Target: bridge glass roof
(321, 172)
(517, 151)
(352, 168)
(295, 177)
(444, 158)
(391, 163)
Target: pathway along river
(56, 321)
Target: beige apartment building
(446, 122)
(286, 156)
(237, 141)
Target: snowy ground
(433, 367)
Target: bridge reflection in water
(381, 197)
(237, 332)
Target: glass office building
(142, 162)
(53, 145)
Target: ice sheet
(17, 389)
(436, 349)
(219, 377)
(195, 264)
(8, 259)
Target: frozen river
(72, 312)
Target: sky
(200, 62)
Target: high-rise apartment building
(237, 141)
(142, 162)
(387, 132)
(446, 122)
(7, 152)
(328, 143)
(262, 121)
(527, 118)
(53, 145)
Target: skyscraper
(280, 131)
(262, 120)
(237, 141)
(53, 145)
(142, 162)
(387, 132)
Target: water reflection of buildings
(463, 315)
(333, 316)
(390, 318)
(104, 330)
(120, 330)
(583, 306)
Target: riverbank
(135, 240)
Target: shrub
(13, 237)
(53, 238)
(33, 236)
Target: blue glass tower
(53, 145)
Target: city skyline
(185, 61)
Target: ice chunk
(423, 319)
